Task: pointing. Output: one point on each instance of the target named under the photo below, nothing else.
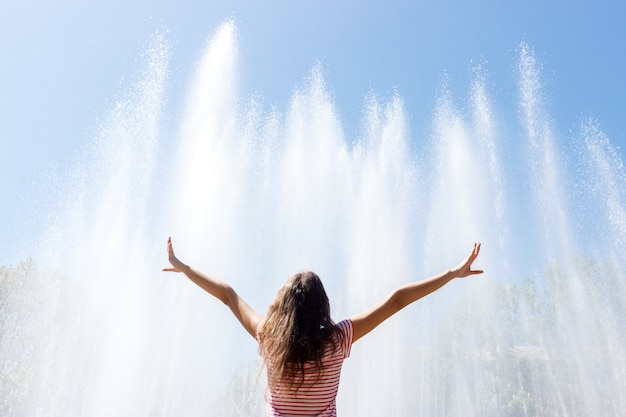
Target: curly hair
(298, 329)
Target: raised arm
(407, 294)
(246, 315)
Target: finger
(474, 254)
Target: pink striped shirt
(316, 397)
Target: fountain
(93, 328)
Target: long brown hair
(298, 329)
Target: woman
(302, 348)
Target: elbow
(228, 296)
(397, 301)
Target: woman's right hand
(464, 269)
(176, 264)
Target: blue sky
(63, 62)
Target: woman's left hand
(176, 264)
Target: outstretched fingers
(472, 258)
(464, 269)
(175, 263)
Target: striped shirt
(317, 395)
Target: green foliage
(244, 395)
(534, 348)
(547, 348)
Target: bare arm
(407, 294)
(246, 315)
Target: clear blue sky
(62, 62)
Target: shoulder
(345, 325)
(345, 328)
(259, 328)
